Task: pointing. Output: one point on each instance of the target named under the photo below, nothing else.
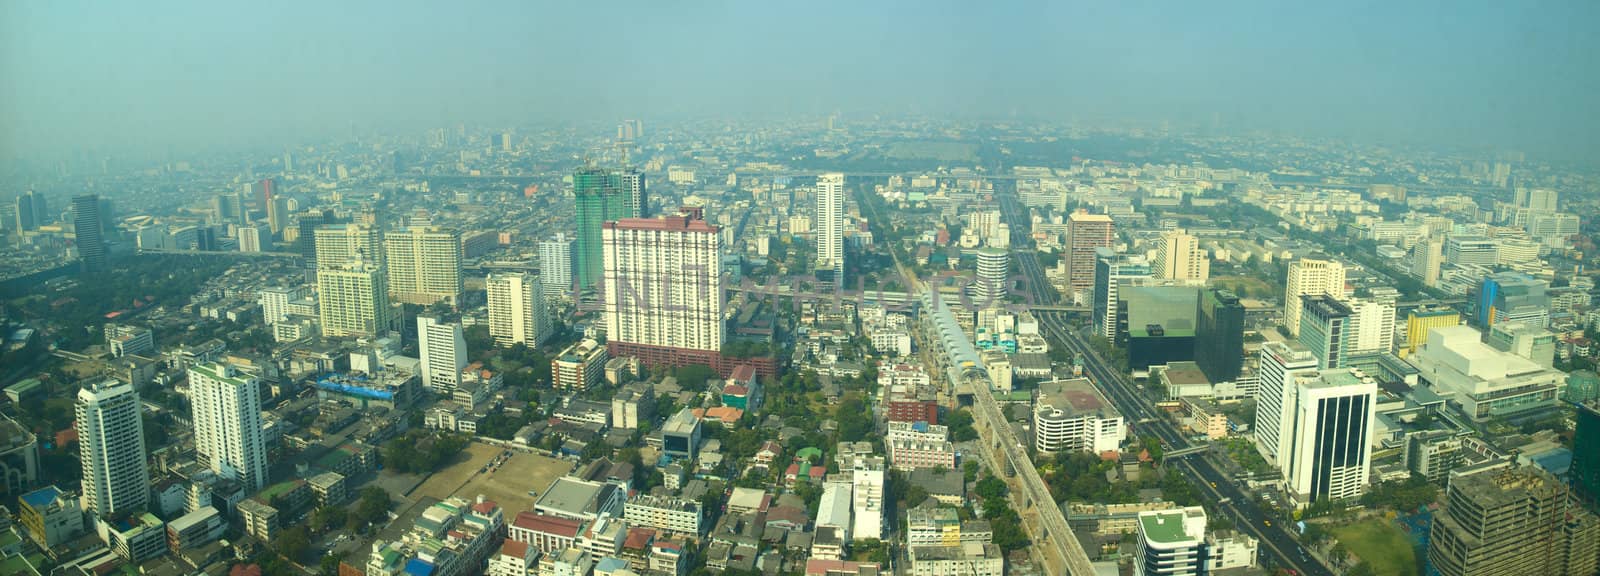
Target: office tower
(1219, 335)
(555, 266)
(252, 238)
(1309, 277)
(1370, 329)
(342, 244)
(1085, 233)
(1330, 443)
(1512, 297)
(228, 436)
(867, 481)
(1419, 321)
(32, 211)
(306, 225)
(1511, 521)
(1426, 259)
(1282, 365)
(663, 289)
(353, 300)
(1585, 471)
(517, 310)
(1541, 199)
(1470, 249)
(443, 349)
(222, 208)
(1157, 323)
(86, 228)
(830, 221)
(1180, 257)
(1324, 329)
(1171, 543)
(1110, 269)
(424, 265)
(278, 214)
(993, 269)
(603, 195)
(264, 191)
(638, 196)
(116, 479)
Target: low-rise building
(969, 559)
(664, 513)
(50, 516)
(1072, 415)
(579, 366)
(194, 529)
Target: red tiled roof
(667, 223)
(514, 548)
(735, 390)
(639, 538)
(547, 524)
(485, 507)
(744, 373)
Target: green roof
(1168, 530)
(24, 386)
(14, 565)
(278, 489)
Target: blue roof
(41, 497)
(418, 567)
(1558, 461)
(610, 564)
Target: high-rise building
(116, 478)
(1219, 335)
(1180, 257)
(32, 211)
(341, 244)
(830, 221)
(86, 230)
(555, 266)
(638, 197)
(993, 270)
(1427, 258)
(424, 265)
(1309, 277)
(275, 301)
(1585, 471)
(228, 436)
(1110, 269)
(866, 501)
(1420, 320)
(1471, 249)
(1370, 329)
(252, 238)
(517, 311)
(1512, 297)
(1085, 233)
(1541, 199)
(353, 300)
(443, 349)
(663, 289)
(1511, 521)
(1282, 365)
(1554, 230)
(1330, 444)
(278, 214)
(1171, 543)
(1325, 330)
(603, 195)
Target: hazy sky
(188, 74)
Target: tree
(292, 542)
(960, 423)
(329, 565)
(326, 518)
(1362, 568)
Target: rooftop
(1173, 526)
(1074, 396)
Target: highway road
(1277, 543)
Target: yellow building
(1420, 321)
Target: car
(1266, 522)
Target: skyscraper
(1370, 329)
(86, 228)
(1325, 330)
(1427, 257)
(424, 265)
(517, 311)
(31, 211)
(1585, 471)
(603, 195)
(353, 300)
(638, 197)
(993, 269)
(1085, 233)
(1281, 366)
(1110, 269)
(228, 437)
(339, 245)
(663, 289)
(1180, 257)
(1540, 199)
(830, 221)
(116, 478)
(444, 353)
(1309, 277)
(1511, 521)
(555, 266)
(1330, 443)
(1219, 335)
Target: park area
(507, 483)
(1378, 542)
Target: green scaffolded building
(603, 195)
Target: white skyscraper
(555, 266)
(1281, 365)
(252, 238)
(663, 287)
(228, 436)
(353, 300)
(1331, 449)
(424, 265)
(338, 246)
(116, 478)
(830, 221)
(1370, 328)
(1309, 277)
(444, 353)
(517, 311)
(1180, 257)
(993, 269)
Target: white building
(1074, 415)
(663, 285)
(994, 266)
(116, 478)
(968, 559)
(275, 302)
(555, 266)
(834, 509)
(664, 513)
(866, 507)
(1331, 447)
(1281, 366)
(1370, 328)
(444, 353)
(1180, 257)
(1309, 277)
(830, 221)
(424, 265)
(353, 300)
(517, 312)
(1171, 543)
(1482, 381)
(227, 423)
(913, 445)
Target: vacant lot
(1381, 543)
(507, 485)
